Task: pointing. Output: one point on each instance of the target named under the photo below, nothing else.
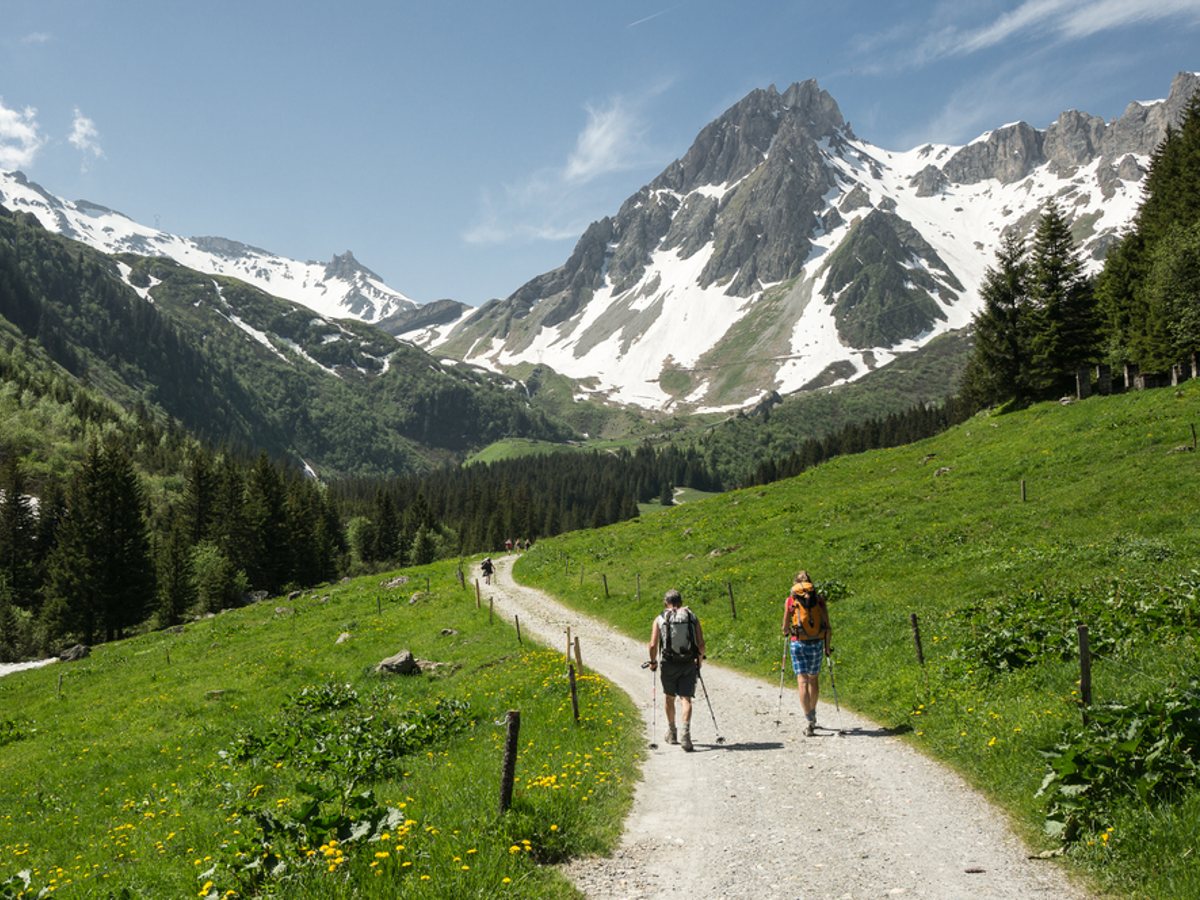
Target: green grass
(515, 448)
(226, 757)
(1107, 534)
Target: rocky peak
(1008, 154)
(347, 268)
(734, 144)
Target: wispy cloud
(662, 12)
(1058, 20)
(85, 138)
(20, 137)
(1015, 89)
(556, 203)
(37, 37)
(611, 141)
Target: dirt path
(772, 814)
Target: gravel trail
(773, 814)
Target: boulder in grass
(403, 663)
(343, 637)
(79, 651)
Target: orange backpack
(807, 619)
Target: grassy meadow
(1106, 534)
(253, 754)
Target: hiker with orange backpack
(806, 625)
(677, 638)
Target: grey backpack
(678, 635)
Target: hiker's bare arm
(699, 639)
(652, 647)
(786, 609)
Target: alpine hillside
(340, 288)
(783, 252)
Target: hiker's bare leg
(809, 688)
(669, 704)
(685, 704)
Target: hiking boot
(686, 741)
(670, 737)
(811, 729)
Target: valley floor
(850, 813)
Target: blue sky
(460, 148)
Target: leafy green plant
(1149, 750)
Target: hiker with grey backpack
(676, 651)
(807, 632)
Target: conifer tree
(18, 536)
(999, 367)
(266, 517)
(1065, 331)
(176, 583)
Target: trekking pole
(836, 705)
(653, 707)
(720, 740)
(833, 684)
(782, 664)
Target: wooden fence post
(490, 602)
(604, 578)
(517, 622)
(916, 630)
(639, 584)
(581, 574)
(574, 693)
(477, 596)
(732, 605)
(378, 605)
(568, 645)
(509, 770)
(1022, 490)
(1085, 671)
(578, 656)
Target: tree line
(97, 556)
(1043, 319)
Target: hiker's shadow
(744, 745)
(877, 731)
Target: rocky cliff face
(783, 252)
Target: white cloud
(37, 37)
(20, 137)
(610, 142)
(556, 203)
(85, 138)
(1046, 22)
(1063, 20)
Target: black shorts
(678, 678)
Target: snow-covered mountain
(783, 252)
(340, 288)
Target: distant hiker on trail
(488, 567)
(508, 545)
(679, 640)
(806, 623)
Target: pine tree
(176, 583)
(18, 537)
(998, 370)
(1065, 330)
(266, 517)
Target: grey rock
(75, 652)
(402, 663)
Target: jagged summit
(782, 251)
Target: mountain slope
(340, 288)
(782, 250)
(236, 365)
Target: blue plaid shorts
(806, 657)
